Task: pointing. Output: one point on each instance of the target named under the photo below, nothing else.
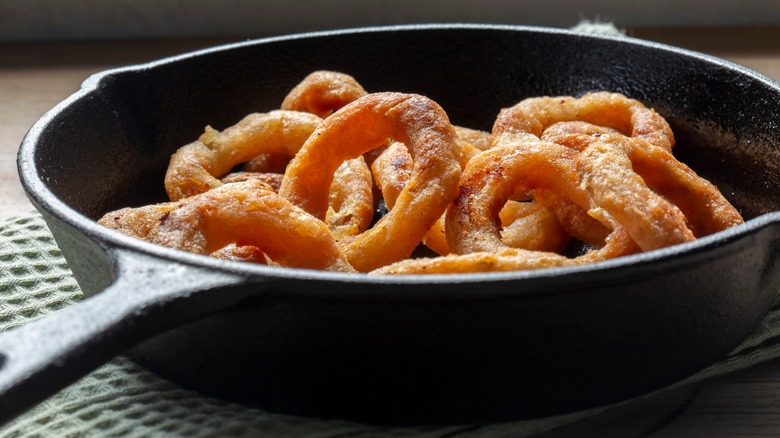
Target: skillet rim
(643, 264)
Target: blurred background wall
(41, 20)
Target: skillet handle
(148, 296)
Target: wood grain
(34, 77)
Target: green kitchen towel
(124, 399)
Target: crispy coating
(392, 169)
(492, 177)
(511, 259)
(574, 134)
(529, 118)
(323, 92)
(473, 222)
(612, 170)
(555, 120)
(361, 126)
(266, 142)
(474, 137)
(525, 225)
(197, 167)
(247, 213)
(532, 226)
(272, 179)
(574, 219)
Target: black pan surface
(412, 349)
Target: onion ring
(361, 126)
(576, 135)
(323, 92)
(529, 118)
(350, 206)
(245, 213)
(572, 218)
(529, 227)
(525, 225)
(575, 123)
(612, 170)
(392, 168)
(320, 93)
(196, 167)
(492, 177)
(532, 226)
(351, 199)
(512, 259)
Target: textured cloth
(124, 399)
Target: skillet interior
(492, 358)
(142, 116)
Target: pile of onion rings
(301, 186)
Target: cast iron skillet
(397, 350)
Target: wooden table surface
(36, 76)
